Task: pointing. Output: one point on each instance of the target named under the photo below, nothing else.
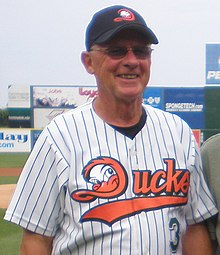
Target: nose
(130, 60)
(130, 52)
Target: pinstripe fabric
(44, 200)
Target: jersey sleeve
(39, 196)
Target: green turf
(8, 179)
(13, 159)
(10, 236)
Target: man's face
(121, 78)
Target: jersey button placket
(133, 157)
(134, 166)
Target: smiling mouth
(128, 76)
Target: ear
(87, 61)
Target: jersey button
(133, 152)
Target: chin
(132, 92)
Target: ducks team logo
(152, 190)
(108, 177)
(125, 14)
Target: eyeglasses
(141, 52)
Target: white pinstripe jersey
(99, 192)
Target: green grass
(8, 179)
(10, 236)
(13, 159)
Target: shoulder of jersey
(84, 107)
(168, 115)
(152, 109)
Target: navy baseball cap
(106, 23)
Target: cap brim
(147, 32)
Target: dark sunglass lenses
(117, 52)
(139, 52)
(142, 52)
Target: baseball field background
(10, 168)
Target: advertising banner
(49, 101)
(15, 140)
(42, 117)
(35, 133)
(19, 117)
(18, 96)
(197, 135)
(188, 103)
(153, 97)
(61, 96)
(213, 63)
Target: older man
(114, 176)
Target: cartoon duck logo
(108, 178)
(125, 14)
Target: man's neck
(121, 114)
(132, 131)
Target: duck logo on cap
(125, 14)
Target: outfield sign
(197, 135)
(153, 97)
(188, 103)
(19, 117)
(15, 140)
(50, 101)
(43, 116)
(61, 96)
(18, 96)
(213, 63)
